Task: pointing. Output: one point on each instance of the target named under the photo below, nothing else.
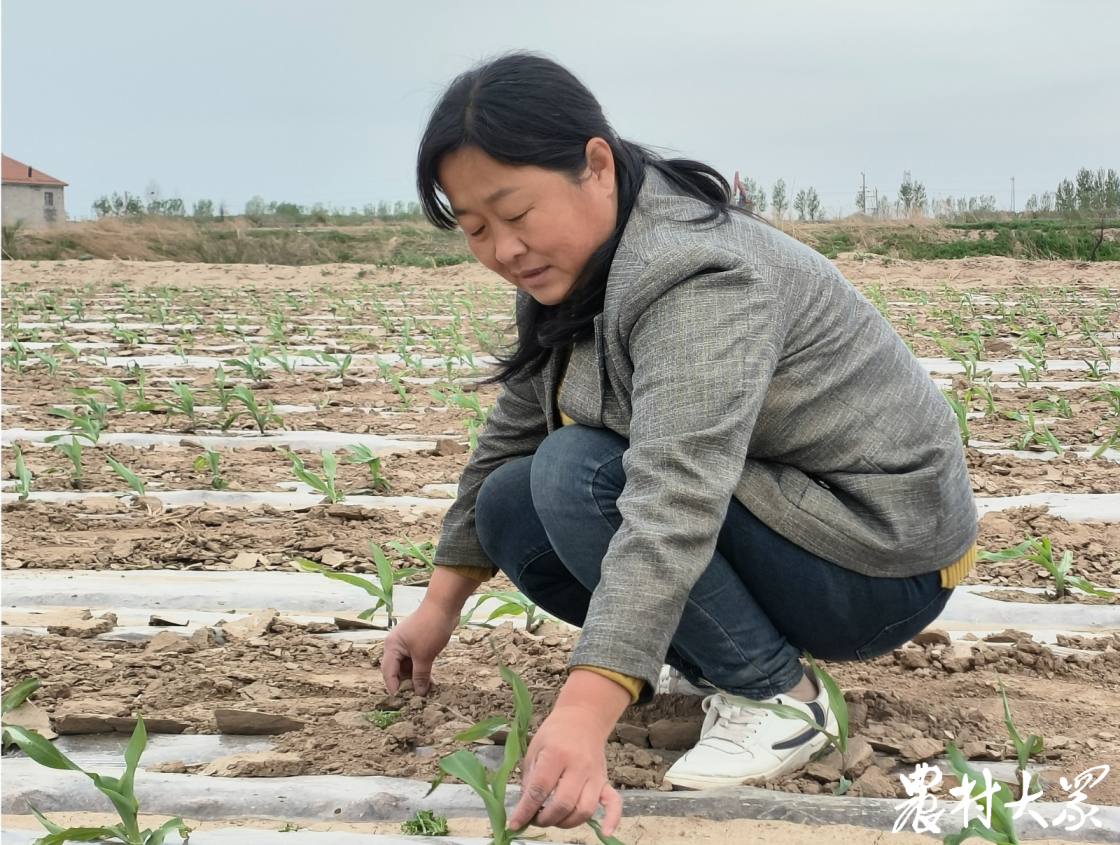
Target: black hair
(524, 109)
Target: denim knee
(501, 493)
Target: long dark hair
(524, 109)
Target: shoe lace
(729, 721)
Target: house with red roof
(31, 195)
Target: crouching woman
(710, 450)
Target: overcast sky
(324, 102)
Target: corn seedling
(402, 391)
(993, 809)
(80, 426)
(209, 459)
(1108, 444)
(132, 479)
(182, 402)
(425, 823)
(1024, 748)
(513, 603)
(72, 449)
(324, 484)
(23, 475)
(1097, 369)
(960, 411)
(1033, 432)
(262, 417)
(283, 360)
(360, 454)
(422, 553)
(490, 784)
(382, 718)
(1038, 550)
(1111, 397)
(340, 364)
(15, 358)
(836, 703)
(119, 388)
(119, 791)
(219, 391)
(383, 591)
(250, 365)
(49, 360)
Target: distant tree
(883, 209)
(1098, 192)
(1046, 202)
(912, 197)
(801, 204)
(1031, 206)
(118, 206)
(861, 200)
(292, 213)
(203, 210)
(778, 198)
(756, 194)
(813, 204)
(223, 210)
(1065, 198)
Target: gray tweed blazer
(737, 362)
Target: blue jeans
(546, 520)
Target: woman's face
(535, 228)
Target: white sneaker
(672, 681)
(740, 743)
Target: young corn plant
(262, 417)
(490, 784)
(23, 475)
(132, 479)
(1024, 748)
(960, 411)
(182, 402)
(360, 454)
(422, 553)
(250, 365)
(513, 603)
(209, 460)
(72, 449)
(221, 393)
(119, 791)
(49, 360)
(284, 361)
(382, 591)
(1039, 550)
(1002, 828)
(15, 358)
(81, 425)
(324, 484)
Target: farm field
(177, 437)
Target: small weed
(425, 823)
(382, 718)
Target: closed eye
(518, 217)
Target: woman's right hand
(413, 645)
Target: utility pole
(863, 192)
(1012, 194)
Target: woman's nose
(508, 247)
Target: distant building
(31, 195)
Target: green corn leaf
(606, 840)
(836, 702)
(346, 577)
(330, 466)
(43, 820)
(132, 479)
(136, 745)
(467, 768)
(19, 694)
(785, 711)
(39, 749)
(77, 834)
(1087, 586)
(483, 729)
(1003, 825)
(157, 836)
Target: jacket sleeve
(515, 427)
(703, 352)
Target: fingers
(421, 675)
(583, 810)
(612, 805)
(536, 786)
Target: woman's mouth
(534, 276)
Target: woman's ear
(600, 163)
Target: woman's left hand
(564, 774)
